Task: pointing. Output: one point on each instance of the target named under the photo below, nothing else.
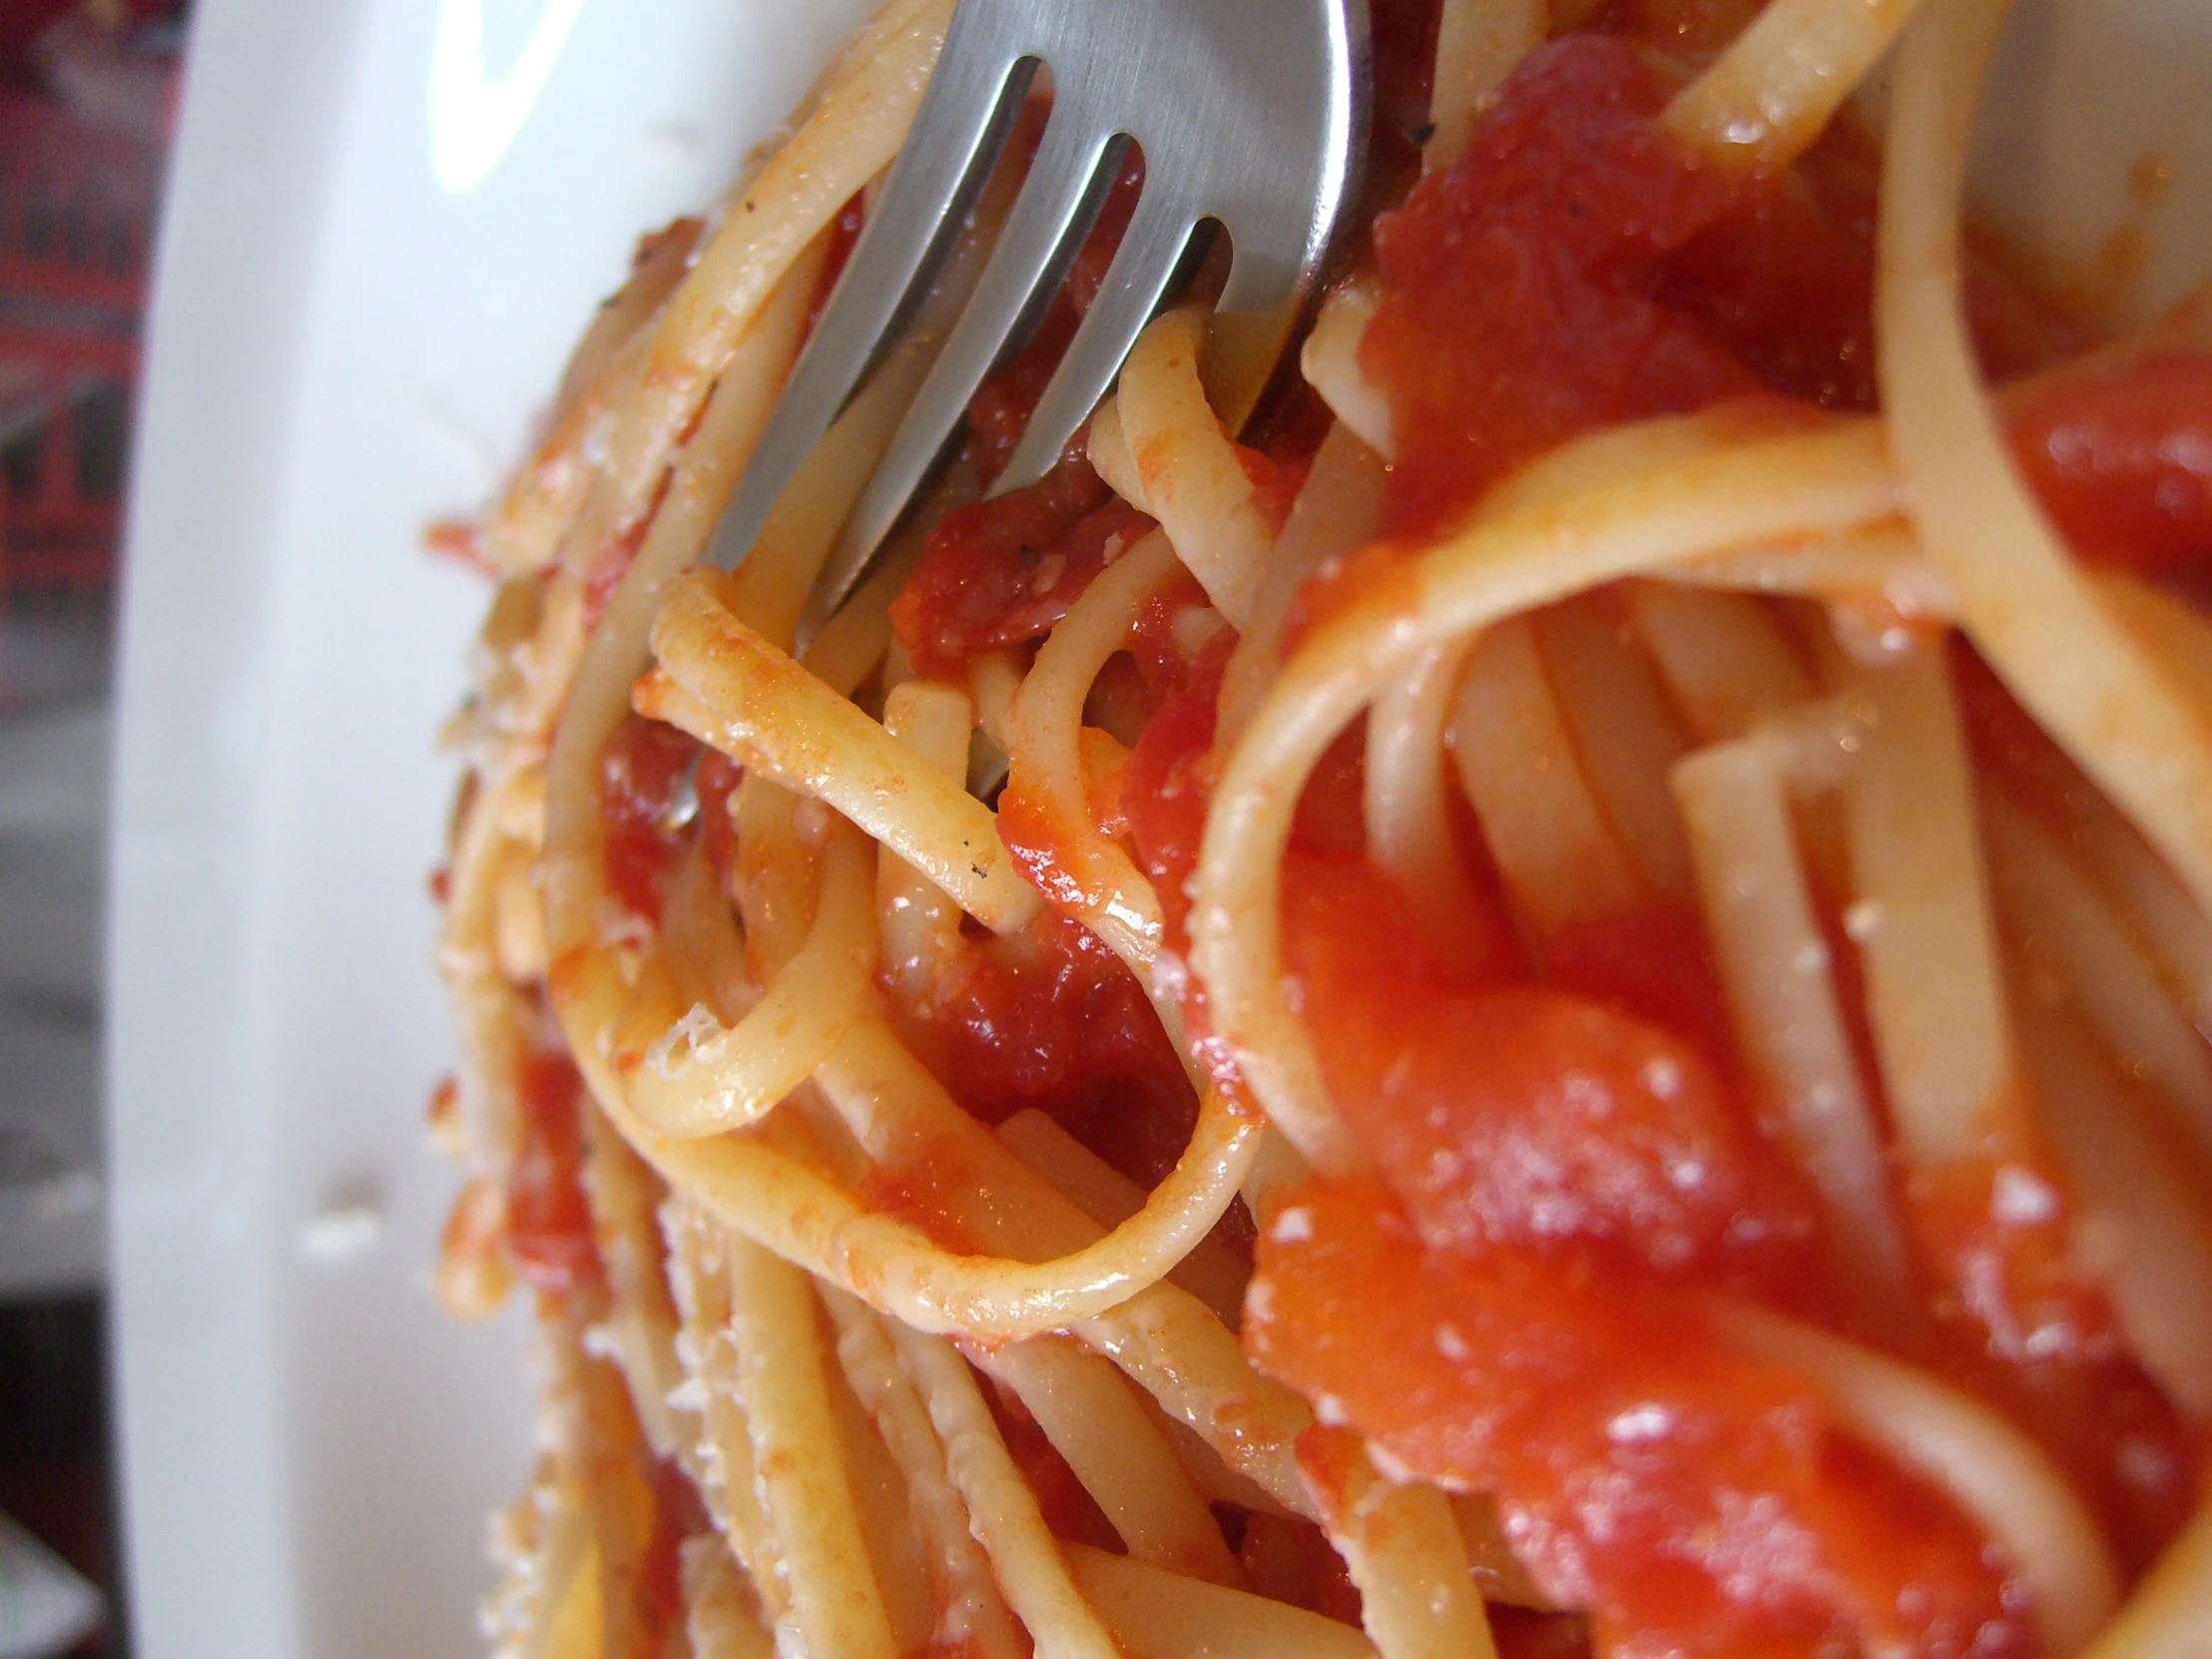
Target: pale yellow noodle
(1781, 991)
(2170, 1614)
(1773, 92)
(1093, 1420)
(2109, 979)
(1478, 43)
(1337, 513)
(1212, 1271)
(1926, 942)
(721, 1459)
(850, 136)
(1329, 360)
(1102, 885)
(756, 704)
(1402, 1545)
(701, 1077)
(918, 923)
(1560, 860)
(1158, 1615)
(972, 1608)
(835, 1605)
(2021, 600)
(1408, 817)
(1625, 734)
(1725, 660)
(1193, 483)
(1002, 1511)
(2142, 1222)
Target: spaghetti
(1553, 1002)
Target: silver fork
(1250, 113)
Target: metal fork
(1250, 113)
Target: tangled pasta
(1550, 1000)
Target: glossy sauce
(641, 774)
(1050, 1019)
(1003, 571)
(2122, 462)
(1518, 285)
(549, 1223)
(1690, 1502)
(677, 1515)
(1532, 1116)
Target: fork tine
(1143, 269)
(1066, 187)
(962, 124)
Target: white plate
(358, 309)
(343, 348)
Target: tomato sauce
(549, 1225)
(2122, 462)
(641, 773)
(611, 562)
(1654, 961)
(1003, 572)
(2019, 1325)
(678, 1516)
(1518, 285)
(1530, 1115)
(1051, 1019)
(1690, 1502)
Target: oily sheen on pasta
(1550, 1000)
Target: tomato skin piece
(1690, 1502)
(2122, 462)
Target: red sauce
(607, 567)
(549, 1225)
(1000, 411)
(717, 779)
(1051, 1019)
(460, 540)
(1166, 789)
(1403, 37)
(2122, 462)
(2019, 1325)
(1690, 1502)
(1524, 1633)
(1787, 285)
(1517, 285)
(677, 1515)
(1003, 572)
(1654, 961)
(641, 770)
(845, 236)
(921, 1189)
(1528, 1115)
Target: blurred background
(87, 97)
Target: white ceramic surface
(358, 309)
(343, 347)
